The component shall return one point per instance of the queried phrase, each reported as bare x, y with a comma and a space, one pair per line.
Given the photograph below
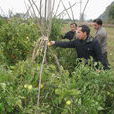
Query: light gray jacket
101, 36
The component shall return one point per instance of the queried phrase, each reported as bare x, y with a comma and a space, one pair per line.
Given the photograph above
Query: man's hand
51, 43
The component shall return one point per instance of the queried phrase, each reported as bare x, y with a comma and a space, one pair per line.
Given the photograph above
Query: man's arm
99, 38
70, 44
101, 35
69, 35
66, 35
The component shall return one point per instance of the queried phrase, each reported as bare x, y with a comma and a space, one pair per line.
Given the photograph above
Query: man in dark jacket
72, 33
85, 46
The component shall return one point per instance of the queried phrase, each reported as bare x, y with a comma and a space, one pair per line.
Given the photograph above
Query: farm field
41, 76
68, 88
110, 31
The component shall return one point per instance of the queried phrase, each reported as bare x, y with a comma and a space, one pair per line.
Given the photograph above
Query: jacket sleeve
98, 53
70, 44
101, 36
67, 35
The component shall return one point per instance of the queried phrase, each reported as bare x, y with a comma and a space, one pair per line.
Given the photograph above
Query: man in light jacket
101, 36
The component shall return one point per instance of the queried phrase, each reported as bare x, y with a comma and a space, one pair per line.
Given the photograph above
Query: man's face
96, 26
73, 27
81, 35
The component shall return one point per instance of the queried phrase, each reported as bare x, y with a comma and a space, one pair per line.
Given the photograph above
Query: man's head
73, 27
97, 23
83, 32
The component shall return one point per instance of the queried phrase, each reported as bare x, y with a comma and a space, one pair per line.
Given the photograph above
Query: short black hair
98, 21
86, 29
74, 24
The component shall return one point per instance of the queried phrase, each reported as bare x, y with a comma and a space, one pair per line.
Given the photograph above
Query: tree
111, 12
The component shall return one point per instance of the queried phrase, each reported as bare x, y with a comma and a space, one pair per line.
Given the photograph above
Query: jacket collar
99, 29
89, 39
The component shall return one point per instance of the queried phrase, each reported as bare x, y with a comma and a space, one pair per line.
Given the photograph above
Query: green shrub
56, 29
17, 39
86, 91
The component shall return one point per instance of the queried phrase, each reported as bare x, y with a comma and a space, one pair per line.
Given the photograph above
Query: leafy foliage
56, 29
16, 39
78, 89
111, 12
108, 15
85, 91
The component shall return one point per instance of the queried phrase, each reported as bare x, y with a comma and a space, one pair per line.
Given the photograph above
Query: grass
110, 46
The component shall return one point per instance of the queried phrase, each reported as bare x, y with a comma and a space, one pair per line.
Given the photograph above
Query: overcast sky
93, 10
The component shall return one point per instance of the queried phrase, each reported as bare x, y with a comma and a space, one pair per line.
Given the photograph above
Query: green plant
16, 39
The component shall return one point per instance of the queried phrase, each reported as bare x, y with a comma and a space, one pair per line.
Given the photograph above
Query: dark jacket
69, 35
85, 49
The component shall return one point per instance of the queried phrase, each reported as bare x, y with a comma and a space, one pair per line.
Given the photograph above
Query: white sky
93, 10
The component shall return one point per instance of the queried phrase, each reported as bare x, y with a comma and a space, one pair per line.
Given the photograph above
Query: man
101, 36
72, 33
86, 46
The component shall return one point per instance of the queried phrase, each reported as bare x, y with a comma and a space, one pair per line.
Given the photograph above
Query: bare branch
36, 7
66, 9
56, 60
45, 9
71, 11
36, 17
37, 48
85, 7
28, 9
57, 8
3, 12
49, 21
40, 9
40, 75
32, 8
53, 6
80, 8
